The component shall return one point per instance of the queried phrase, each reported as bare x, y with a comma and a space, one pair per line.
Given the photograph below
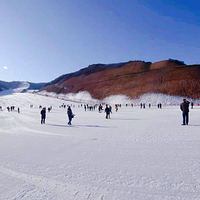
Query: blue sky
43, 39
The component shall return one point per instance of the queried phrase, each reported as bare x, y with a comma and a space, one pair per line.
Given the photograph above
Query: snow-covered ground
138, 154
153, 98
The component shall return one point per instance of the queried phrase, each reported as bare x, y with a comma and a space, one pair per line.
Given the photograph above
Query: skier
43, 115
18, 110
70, 115
185, 109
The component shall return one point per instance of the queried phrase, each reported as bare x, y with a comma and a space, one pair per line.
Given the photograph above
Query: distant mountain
133, 79
36, 86
16, 84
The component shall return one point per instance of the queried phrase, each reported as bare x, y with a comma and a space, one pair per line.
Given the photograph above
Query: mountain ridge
6, 85
133, 79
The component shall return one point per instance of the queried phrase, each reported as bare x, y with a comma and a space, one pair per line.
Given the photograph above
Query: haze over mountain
133, 79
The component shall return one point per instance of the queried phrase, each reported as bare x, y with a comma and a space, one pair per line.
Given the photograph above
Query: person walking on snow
185, 109
43, 115
70, 115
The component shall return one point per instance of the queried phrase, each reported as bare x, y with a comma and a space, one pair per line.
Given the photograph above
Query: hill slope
132, 79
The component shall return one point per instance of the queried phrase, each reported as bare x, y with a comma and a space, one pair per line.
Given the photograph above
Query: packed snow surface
138, 154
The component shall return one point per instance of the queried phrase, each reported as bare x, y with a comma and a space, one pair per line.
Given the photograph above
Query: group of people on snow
108, 110
11, 108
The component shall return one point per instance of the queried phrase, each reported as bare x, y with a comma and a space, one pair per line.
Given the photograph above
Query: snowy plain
138, 154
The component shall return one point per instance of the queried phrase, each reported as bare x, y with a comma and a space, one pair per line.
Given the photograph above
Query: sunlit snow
138, 154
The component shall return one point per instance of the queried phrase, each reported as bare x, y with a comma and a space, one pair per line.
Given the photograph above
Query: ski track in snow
138, 154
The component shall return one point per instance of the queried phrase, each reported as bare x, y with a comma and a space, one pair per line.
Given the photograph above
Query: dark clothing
43, 116
185, 107
43, 121
185, 118
107, 110
70, 115
43, 113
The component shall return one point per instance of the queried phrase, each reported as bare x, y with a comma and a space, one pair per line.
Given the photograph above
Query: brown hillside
165, 64
133, 79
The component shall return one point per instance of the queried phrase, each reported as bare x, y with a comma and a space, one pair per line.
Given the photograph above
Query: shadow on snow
77, 126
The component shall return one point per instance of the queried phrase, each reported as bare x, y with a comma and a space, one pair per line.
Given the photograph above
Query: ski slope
138, 154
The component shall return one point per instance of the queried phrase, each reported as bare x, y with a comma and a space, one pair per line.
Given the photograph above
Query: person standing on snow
107, 111
43, 115
70, 115
185, 109
149, 105
110, 107
116, 107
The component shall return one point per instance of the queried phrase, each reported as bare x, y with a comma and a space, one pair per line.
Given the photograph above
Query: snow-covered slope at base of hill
152, 98
84, 96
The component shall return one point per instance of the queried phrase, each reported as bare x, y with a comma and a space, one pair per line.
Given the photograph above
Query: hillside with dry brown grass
132, 78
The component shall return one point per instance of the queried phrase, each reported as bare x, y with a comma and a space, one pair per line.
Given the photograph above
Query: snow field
153, 98
138, 154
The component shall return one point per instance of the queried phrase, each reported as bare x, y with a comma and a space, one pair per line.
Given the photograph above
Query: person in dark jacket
185, 109
107, 111
70, 115
43, 115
